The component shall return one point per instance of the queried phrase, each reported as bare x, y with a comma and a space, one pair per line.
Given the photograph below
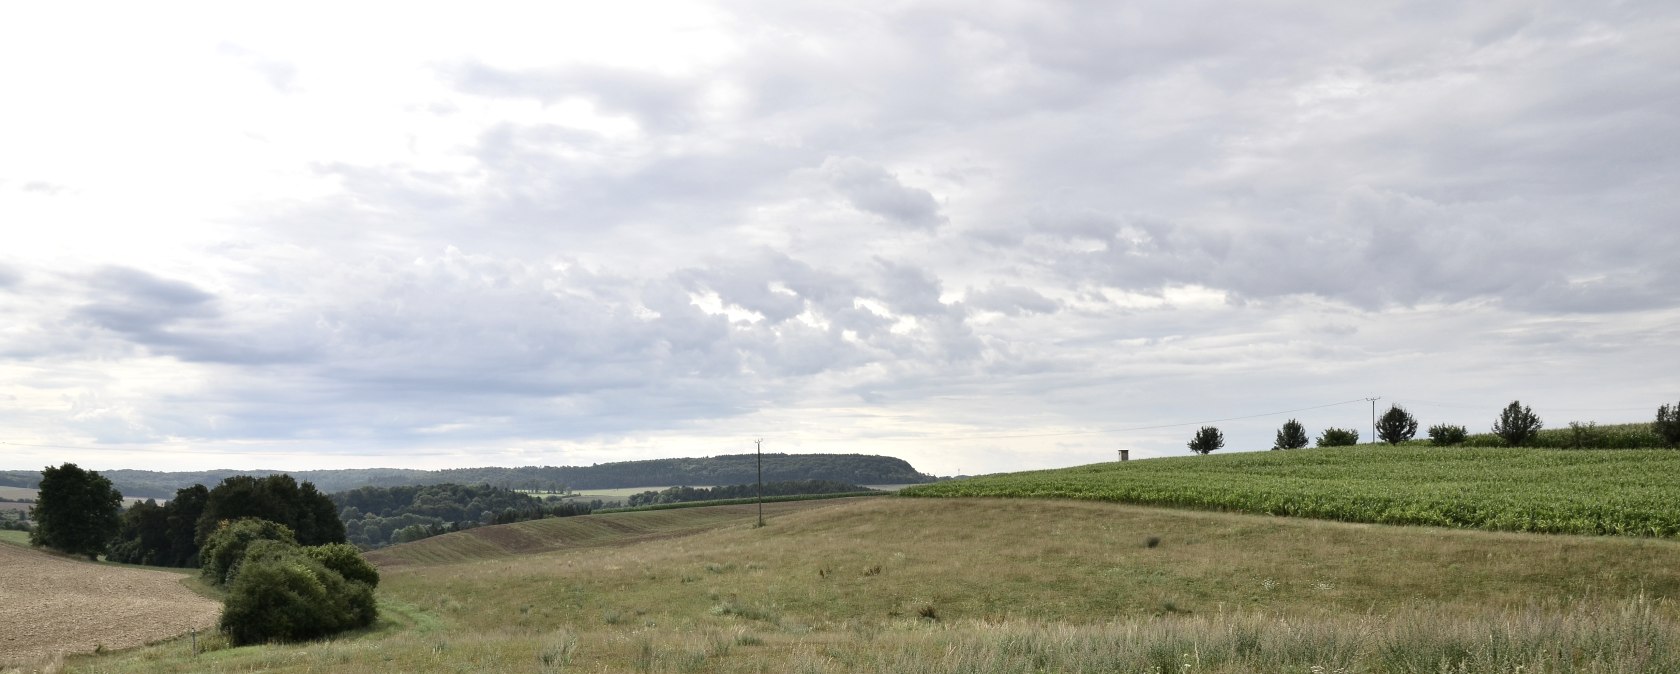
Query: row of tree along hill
727, 469
1516, 426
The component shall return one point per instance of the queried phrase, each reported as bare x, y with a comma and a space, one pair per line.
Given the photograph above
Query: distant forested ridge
714, 470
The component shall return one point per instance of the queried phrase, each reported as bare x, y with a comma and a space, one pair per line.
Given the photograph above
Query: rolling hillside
994, 586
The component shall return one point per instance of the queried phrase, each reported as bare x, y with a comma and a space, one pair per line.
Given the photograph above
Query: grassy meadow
993, 585
1615, 492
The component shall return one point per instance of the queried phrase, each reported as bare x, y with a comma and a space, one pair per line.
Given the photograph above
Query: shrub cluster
280, 591
1446, 435
1337, 437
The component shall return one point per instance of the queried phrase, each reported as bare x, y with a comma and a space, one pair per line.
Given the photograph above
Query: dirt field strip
51, 604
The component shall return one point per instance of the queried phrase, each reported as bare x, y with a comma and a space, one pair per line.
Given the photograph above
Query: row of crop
1614, 492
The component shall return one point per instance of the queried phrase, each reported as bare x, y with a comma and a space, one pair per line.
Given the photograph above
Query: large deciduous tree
1517, 424
1396, 425
1206, 440
277, 498
1291, 436
77, 511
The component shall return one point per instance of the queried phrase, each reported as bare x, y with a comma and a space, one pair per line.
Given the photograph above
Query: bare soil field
51, 604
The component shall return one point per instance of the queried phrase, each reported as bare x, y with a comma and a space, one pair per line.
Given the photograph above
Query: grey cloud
9, 277
872, 189
1010, 300
910, 289
141, 305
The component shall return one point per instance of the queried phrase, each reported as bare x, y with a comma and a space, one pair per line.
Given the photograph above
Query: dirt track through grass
51, 604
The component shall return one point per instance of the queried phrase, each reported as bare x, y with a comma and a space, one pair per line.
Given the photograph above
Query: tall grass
995, 585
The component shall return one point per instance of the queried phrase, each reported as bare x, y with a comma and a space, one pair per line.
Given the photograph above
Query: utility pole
760, 444
1374, 417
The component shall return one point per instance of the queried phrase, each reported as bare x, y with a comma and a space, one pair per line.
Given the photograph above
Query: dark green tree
277, 498
184, 511
1206, 440
161, 535
1517, 424
1668, 424
142, 535
1396, 425
1291, 436
1338, 437
77, 511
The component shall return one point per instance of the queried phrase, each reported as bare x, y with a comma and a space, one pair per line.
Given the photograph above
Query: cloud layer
979, 236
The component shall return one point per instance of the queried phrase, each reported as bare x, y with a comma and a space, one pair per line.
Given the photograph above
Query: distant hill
706, 471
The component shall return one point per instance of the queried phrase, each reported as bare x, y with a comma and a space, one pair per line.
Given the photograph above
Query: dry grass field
984, 585
51, 604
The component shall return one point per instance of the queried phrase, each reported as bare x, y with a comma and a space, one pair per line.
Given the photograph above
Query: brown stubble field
51, 604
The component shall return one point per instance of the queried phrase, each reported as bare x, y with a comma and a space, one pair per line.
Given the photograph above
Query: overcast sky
979, 236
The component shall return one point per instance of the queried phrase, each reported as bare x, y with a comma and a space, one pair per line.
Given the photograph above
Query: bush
1516, 425
1338, 437
1443, 435
226, 547
1396, 425
345, 560
1583, 436
1291, 436
283, 593
1206, 440
1667, 424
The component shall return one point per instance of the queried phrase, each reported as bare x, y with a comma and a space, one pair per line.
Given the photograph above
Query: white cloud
979, 236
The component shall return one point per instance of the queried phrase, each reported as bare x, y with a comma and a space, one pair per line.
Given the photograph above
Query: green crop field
1619, 492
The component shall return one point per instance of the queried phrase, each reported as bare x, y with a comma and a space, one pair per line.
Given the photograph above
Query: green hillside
1619, 492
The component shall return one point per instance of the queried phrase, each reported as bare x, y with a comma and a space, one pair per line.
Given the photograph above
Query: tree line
276, 546
1516, 426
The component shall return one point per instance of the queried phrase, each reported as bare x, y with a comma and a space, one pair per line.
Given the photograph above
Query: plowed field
50, 604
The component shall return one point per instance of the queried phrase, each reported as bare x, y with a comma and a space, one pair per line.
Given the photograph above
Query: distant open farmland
1617, 492
562, 533
51, 604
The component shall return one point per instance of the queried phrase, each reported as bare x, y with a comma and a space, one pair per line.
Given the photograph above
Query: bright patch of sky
977, 236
